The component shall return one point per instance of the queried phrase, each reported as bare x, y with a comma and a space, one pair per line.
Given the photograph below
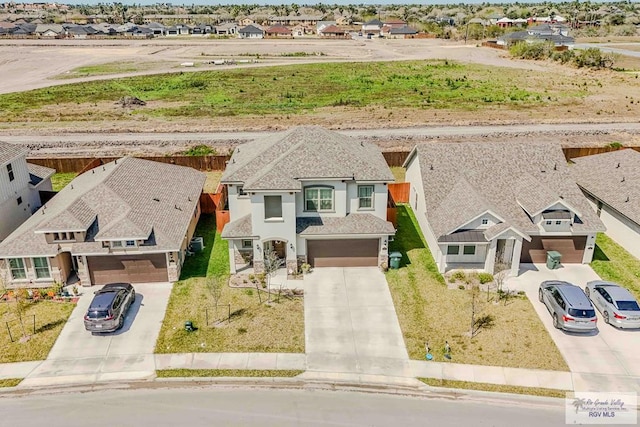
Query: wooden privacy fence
399, 192
215, 163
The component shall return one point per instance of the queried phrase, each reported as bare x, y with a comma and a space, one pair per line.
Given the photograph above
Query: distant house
556, 34
394, 23
227, 29
333, 32
126, 221
50, 30
482, 205
291, 20
278, 31
244, 22
251, 32
405, 32
372, 28
611, 183
202, 30
20, 187
157, 28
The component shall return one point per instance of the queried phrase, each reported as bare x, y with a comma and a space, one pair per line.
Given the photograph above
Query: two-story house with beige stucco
20, 186
312, 196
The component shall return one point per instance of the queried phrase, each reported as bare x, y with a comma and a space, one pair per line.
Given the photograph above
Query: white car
618, 307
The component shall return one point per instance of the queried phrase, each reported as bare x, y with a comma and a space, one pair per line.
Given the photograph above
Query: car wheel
587, 292
605, 315
555, 321
121, 322
540, 295
133, 298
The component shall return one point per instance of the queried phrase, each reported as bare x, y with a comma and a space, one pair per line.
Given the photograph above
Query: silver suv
109, 307
570, 308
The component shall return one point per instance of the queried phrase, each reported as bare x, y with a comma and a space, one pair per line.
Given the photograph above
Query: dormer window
485, 221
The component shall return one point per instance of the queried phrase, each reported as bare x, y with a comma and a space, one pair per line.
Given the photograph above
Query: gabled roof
463, 180
375, 22
125, 199
613, 178
403, 30
251, 29
239, 228
332, 29
8, 152
38, 173
283, 160
351, 224
278, 29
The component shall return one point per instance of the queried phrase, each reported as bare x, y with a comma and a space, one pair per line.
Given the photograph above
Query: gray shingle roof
238, 228
280, 161
462, 180
129, 194
350, 224
467, 236
38, 173
612, 178
10, 151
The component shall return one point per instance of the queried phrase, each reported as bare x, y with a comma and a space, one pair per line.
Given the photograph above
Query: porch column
589, 249
515, 258
441, 259
232, 256
490, 258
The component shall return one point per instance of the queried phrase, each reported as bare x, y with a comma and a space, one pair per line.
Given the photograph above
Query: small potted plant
305, 268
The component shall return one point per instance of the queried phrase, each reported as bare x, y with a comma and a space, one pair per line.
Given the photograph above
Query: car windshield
97, 314
628, 305
575, 312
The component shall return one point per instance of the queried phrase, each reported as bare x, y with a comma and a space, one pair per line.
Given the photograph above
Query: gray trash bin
553, 259
394, 260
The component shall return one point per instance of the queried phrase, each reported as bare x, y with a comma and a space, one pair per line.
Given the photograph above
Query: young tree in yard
20, 303
214, 285
478, 321
272, 263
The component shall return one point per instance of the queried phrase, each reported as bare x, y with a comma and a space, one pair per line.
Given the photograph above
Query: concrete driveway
78, 355
351, 324
608, 360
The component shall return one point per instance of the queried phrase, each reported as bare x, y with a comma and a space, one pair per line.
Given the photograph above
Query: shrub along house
130, 220
20, 187
482, 204
311, 196
611, 183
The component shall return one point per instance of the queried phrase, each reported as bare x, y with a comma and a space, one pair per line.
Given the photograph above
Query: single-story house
611, 183
251, 32
130, 220
311, 196
492, 206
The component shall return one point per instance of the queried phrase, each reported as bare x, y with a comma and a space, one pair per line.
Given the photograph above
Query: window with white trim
318, 199
469, 250
16, 265
485, 221
365, 196
116, 244
130, 243
558, 222
241, 191
453, 250
272, 207
41, 266
247, 244
549, 222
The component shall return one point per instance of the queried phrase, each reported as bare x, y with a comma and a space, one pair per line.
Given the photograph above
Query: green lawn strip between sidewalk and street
10, 382
254, 326
430, 312
499, 388
613, 263
184, 373
50, 318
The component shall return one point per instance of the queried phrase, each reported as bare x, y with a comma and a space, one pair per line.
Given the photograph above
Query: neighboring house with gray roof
20, 186
611, 183
251, 32
311, 195
125, 221
485, 204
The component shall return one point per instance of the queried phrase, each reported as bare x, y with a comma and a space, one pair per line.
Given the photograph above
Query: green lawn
183, 373
254, 325
499, 388
298, 89
109, 68
430, 312
10, 382
50, 318
398, 173
612, 262
213, 179
60, 180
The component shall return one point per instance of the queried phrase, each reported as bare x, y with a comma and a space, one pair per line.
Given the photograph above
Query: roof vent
93, 171
361, 144
115, 162
617, 167
233, 160
430, 167
627, 199
155, 199
176, 206
555, 167
103, 168
622, 179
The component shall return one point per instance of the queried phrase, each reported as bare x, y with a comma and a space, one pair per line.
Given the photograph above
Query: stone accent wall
258, 267
292, 265
243, 257
172, 272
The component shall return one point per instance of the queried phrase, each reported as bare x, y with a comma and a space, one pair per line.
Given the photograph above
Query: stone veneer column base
258, 267
292, 266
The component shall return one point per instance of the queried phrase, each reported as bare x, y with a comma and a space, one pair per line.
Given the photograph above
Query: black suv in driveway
109, 307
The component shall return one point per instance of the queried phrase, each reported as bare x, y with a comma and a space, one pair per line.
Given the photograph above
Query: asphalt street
210, 406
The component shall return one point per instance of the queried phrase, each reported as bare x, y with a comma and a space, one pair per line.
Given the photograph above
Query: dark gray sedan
618, 307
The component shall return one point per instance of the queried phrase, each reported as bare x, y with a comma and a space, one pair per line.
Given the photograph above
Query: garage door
343, 253
571, 248
128, 268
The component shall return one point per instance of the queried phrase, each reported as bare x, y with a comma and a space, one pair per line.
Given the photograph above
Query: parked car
570, 308
618, 307
109, 307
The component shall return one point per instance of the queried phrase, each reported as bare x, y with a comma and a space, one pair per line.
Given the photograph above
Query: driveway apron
351, 324
79, 356
608, 360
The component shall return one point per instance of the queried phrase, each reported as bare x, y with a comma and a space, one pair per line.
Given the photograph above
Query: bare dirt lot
30, 64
